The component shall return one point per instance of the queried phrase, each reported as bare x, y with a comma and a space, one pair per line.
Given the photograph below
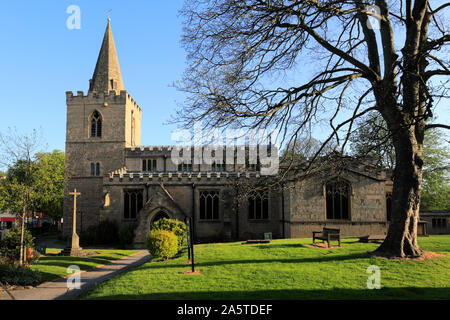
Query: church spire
107, 74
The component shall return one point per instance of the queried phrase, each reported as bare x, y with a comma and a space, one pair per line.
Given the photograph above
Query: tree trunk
401, 240
22, 231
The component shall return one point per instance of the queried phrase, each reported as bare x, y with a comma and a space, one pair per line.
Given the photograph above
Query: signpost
190, 242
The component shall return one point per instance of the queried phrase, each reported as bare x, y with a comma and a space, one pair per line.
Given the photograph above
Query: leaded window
209, 205
133, 203
388, 206
258, 206
96, 125
338, 200
185, 167
148, 165
218, 167
95, 169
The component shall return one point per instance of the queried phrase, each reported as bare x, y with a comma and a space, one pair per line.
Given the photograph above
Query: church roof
107, 74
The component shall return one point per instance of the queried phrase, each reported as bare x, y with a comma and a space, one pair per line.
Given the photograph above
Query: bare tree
17, 152
346, 52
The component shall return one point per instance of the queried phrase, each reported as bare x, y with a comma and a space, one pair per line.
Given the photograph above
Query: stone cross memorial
74, 249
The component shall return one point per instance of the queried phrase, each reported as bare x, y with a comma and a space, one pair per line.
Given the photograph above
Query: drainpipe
237, 219
282, 211
194, 237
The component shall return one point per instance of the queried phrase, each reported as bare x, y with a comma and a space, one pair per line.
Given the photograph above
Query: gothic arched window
95, 169
96, 124
133, 203
209, 205
338, 199
258, 206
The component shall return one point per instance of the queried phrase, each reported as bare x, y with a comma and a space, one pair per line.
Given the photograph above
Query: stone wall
367, 207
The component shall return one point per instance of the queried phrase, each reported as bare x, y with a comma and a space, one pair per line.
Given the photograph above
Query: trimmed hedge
175, 226
162, 244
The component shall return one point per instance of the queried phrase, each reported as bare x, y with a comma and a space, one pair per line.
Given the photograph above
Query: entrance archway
161, 214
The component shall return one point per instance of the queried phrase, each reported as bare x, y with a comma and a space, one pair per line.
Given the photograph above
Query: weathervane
109, 12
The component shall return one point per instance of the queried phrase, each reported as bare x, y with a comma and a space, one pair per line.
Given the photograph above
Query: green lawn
285, 269
52, 266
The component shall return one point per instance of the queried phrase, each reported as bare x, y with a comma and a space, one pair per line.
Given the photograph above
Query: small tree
19, 188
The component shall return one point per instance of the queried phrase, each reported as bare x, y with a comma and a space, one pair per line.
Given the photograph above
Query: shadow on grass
253, 261
404, 293
54, 261
278, 246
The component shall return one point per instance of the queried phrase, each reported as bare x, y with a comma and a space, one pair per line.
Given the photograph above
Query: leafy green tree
373, 140
50, 183
436, 173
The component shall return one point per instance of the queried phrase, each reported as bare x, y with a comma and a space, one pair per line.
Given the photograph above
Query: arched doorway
161, 214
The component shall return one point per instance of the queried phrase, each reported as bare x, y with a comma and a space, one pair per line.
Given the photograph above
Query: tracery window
133, 203
388, 206
209, 205
258, 206
96, 125
338, 200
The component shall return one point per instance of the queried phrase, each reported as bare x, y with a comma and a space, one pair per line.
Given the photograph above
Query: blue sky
41, 59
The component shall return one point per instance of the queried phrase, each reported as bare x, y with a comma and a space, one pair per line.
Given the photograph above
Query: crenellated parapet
118, 172
149, 148
97, 97
187, 177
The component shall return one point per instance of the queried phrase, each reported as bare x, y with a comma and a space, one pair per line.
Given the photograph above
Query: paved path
57, 290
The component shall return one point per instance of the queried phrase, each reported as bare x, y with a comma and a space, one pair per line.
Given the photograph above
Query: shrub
103, 233
162, 243
19, 276
175, 226
126, 236
10, 245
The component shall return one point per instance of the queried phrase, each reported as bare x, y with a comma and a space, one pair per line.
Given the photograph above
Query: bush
19, 276
162, 244
175, 226
10, 245
103, 233
126, 236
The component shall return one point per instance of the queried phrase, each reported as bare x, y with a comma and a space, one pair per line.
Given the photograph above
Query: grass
285, 269
53, 267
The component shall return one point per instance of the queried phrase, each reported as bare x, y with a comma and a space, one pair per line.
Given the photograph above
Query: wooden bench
372, 238
327, 234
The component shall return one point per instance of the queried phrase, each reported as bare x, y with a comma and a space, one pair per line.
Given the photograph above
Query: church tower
100, 125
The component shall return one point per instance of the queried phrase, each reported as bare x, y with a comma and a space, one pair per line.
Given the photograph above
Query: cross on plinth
75, 249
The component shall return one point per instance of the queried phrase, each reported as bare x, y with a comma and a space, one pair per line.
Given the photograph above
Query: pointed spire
107, 74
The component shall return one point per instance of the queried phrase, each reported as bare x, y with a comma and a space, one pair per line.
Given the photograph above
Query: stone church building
122, 180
